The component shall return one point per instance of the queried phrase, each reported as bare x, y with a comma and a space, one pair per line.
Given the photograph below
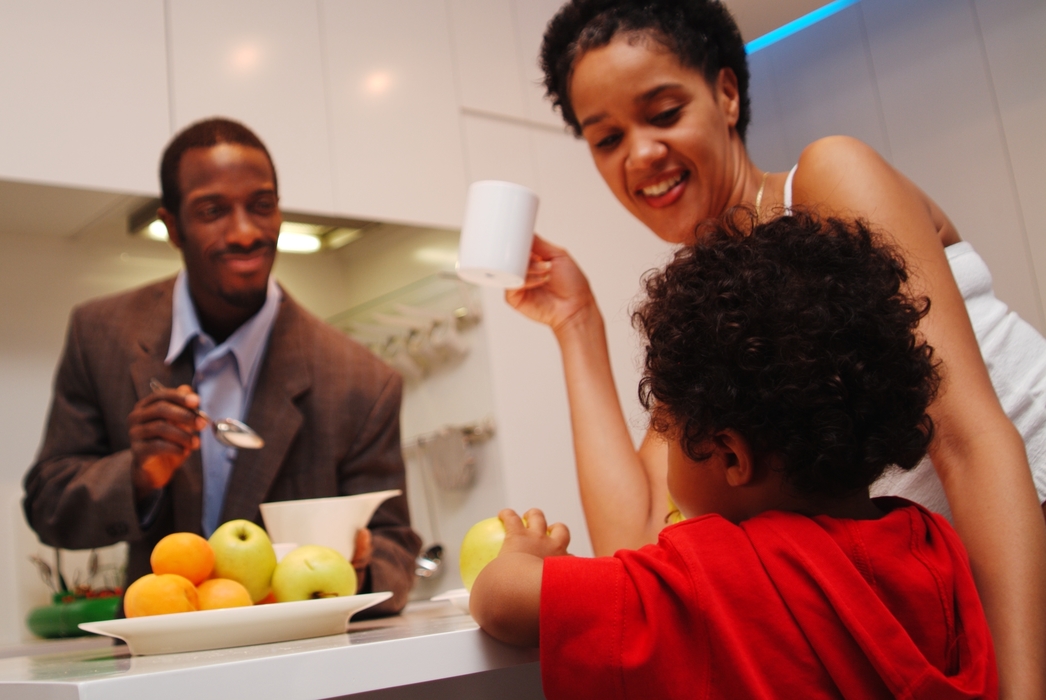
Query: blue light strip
798, 25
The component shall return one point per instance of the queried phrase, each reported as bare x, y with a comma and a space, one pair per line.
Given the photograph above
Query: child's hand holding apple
531, 534
506, 596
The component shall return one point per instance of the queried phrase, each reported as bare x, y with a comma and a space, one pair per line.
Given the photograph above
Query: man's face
227, 226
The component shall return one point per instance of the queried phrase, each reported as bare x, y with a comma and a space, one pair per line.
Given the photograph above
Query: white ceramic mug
497, 233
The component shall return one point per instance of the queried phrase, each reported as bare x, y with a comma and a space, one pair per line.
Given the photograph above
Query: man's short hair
203, 134
799, 334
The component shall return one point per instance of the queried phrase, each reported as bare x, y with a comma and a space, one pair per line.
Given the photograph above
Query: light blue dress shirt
225, 377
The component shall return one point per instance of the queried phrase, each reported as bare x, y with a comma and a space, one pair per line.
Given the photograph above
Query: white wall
953, 93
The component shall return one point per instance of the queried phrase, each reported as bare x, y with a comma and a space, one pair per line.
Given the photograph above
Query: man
122, 462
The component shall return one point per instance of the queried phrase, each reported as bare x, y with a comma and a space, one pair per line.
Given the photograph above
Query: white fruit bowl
236, 627
331, 522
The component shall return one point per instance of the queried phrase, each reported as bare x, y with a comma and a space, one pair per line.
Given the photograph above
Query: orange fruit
185, 554
271, 598
223, 593
160, 594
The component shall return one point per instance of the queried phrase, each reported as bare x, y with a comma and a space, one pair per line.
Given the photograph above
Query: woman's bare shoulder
841, 175
839, 161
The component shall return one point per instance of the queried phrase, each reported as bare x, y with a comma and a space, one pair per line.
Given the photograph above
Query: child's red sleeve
581, 627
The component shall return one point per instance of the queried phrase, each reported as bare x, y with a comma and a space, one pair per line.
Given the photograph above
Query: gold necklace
759, 198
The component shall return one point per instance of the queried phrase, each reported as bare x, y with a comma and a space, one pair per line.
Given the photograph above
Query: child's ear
736, 455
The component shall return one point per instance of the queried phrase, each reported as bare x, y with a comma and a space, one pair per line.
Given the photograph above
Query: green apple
244, 553
312, 571
481, 544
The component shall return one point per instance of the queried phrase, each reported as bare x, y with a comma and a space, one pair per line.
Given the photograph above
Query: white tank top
788, 189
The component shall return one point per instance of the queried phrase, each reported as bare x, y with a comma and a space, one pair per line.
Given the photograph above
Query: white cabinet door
83, 93
532, 16
941, 113
487, 57
259, 62
394, 111
1014, 35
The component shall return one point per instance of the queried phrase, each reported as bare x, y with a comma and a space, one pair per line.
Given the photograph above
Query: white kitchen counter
429, 651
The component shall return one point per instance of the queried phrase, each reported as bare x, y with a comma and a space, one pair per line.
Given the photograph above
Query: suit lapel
274, 414
153, 331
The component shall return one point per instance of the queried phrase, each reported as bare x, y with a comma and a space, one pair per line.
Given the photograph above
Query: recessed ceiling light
435, 255
314, 230
157, 231
294, 242
341, 236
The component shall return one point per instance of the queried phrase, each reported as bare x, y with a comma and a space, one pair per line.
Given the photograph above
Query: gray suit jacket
326, 407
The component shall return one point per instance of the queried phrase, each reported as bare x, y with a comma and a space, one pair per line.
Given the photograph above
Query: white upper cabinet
396, 131
531, 17
487, 57
496, 47
84, 93
259, 62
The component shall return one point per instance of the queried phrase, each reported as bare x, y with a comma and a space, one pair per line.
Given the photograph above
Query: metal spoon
227, 431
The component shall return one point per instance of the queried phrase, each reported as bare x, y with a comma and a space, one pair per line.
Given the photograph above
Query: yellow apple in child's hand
244, 553
313, 571
481, 544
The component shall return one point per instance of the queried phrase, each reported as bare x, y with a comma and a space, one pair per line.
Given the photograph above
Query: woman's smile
666, 190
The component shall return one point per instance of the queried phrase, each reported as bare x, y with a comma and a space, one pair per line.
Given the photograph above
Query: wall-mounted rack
417, 327
447, 454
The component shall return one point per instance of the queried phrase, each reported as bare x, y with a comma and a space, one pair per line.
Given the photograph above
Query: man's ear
728, 95
736, 457
171, 223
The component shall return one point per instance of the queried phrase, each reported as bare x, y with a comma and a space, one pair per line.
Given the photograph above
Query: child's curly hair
701, 33
799, 335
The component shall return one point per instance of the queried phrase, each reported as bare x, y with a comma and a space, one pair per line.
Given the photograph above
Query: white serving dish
330, 522
282, 549
236, 627
458, 597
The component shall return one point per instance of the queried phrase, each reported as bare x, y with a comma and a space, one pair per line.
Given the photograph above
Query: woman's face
660, 135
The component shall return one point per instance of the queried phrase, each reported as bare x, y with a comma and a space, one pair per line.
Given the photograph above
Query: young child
784, 370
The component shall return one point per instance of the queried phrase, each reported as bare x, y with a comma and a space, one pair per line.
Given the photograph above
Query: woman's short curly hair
701, 33
799, 335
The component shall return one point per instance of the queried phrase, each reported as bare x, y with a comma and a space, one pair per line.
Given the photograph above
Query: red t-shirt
780, 606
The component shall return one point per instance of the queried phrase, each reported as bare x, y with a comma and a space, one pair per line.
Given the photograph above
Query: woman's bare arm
978, 454
623, 490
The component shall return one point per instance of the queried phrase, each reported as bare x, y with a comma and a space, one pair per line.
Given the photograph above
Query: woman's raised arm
624, 491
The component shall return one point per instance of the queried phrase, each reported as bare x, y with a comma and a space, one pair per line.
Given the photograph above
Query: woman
658, 90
